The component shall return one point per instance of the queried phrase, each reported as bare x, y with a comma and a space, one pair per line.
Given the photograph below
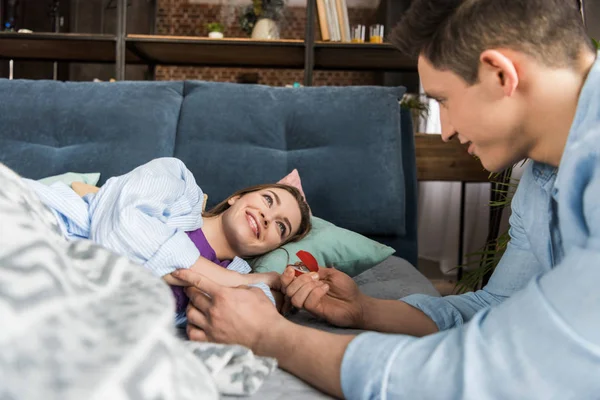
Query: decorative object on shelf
215, 30
376, 33
357, 33
334, 22
260, 19
265, 28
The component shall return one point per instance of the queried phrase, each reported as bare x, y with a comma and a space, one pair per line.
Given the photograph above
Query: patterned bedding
79, 322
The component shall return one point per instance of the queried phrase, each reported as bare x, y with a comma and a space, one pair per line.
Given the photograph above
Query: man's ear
233, 199
502, 69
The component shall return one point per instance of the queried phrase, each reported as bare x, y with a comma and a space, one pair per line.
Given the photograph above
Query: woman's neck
212, 228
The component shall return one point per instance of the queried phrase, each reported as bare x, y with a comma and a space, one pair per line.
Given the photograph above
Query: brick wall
180, 18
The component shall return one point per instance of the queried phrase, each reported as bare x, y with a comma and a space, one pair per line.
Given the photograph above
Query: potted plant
418, 107
215, 30
260, 18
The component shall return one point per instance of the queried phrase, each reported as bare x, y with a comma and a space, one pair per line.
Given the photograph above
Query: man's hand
226, 315
245, 316
329, 294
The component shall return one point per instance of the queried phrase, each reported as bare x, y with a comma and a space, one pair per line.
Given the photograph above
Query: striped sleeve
144, 215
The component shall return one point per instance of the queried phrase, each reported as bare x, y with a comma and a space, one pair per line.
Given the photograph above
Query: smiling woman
154, 216
275, 213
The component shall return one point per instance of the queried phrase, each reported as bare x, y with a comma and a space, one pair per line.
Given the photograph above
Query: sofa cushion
345, 141
68, 178
50, 127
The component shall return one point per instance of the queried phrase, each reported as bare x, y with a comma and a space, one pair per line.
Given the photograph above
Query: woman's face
261, 221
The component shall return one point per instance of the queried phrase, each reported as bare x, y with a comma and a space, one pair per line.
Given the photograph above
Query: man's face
480, 115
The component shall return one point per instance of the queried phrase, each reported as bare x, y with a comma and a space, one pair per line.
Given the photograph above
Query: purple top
207, 252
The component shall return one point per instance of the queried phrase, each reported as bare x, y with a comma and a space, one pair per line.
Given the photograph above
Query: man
516, 79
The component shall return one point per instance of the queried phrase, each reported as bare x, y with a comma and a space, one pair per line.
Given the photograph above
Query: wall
183, 18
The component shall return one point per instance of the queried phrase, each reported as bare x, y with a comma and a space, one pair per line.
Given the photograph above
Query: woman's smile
253, 224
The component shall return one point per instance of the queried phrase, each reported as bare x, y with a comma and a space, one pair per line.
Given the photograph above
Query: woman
153, 215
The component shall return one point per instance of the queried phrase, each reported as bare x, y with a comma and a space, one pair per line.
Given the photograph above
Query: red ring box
307, 263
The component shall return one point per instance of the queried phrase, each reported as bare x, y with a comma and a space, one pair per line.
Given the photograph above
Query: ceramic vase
265, 28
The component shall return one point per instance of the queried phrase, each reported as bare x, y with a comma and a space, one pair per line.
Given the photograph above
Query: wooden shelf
361, 56
200, 51
58, 47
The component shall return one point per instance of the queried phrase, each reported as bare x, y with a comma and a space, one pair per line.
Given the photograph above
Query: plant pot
215, 35
265, 28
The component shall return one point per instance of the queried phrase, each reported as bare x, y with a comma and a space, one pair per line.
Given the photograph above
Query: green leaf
597, 43
484, 261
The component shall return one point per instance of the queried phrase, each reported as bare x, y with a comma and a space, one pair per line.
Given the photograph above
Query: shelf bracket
309, 43
120, 44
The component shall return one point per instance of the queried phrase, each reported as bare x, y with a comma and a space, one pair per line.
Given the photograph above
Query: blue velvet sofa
353, 146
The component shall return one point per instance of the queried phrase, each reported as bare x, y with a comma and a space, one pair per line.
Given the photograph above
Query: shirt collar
544, 174
587, 105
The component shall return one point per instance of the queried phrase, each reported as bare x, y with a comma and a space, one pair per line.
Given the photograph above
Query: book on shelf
323, 25
333, 20
334, 28
342, 12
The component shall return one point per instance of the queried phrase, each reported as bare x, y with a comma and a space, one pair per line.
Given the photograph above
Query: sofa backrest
352, 146
49, 127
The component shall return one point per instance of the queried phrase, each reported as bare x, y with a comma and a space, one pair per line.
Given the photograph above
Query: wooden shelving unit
181, 50
360, 56
152, 50
72, 47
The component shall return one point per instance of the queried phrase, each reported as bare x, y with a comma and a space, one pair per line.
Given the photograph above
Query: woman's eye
269, 199
282, 228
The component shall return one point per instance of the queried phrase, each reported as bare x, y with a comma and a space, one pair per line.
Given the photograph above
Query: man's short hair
452, 34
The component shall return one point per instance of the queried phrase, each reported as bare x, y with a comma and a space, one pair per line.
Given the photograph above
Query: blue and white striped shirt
143, 215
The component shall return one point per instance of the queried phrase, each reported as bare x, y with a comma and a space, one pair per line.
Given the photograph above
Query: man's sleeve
517, 267
543, 342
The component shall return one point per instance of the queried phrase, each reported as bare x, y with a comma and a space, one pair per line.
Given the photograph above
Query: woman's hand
225, 277
329, 294
271, 279
226, 315
83, 188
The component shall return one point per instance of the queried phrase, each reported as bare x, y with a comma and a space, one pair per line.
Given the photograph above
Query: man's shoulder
581, 160
587, 140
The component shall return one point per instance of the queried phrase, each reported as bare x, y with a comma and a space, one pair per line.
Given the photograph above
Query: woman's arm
225, 277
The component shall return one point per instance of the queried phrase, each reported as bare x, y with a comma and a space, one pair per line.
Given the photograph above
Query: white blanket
79, 321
